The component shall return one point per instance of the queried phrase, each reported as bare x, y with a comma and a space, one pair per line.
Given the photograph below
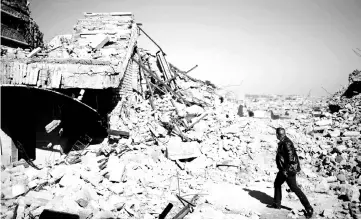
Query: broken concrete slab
116, 169
176, 149
353, 194
98, 41
58, 171
194, 111
103, 215
18, 190
335, 133
261, 114
322, 187
34, 52
5, 176
18, 169
70, 179
93, 178
324, 122
40, 198
351, 134
117, 188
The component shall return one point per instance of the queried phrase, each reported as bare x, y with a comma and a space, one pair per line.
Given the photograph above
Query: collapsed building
58, 97
18, 29
171, 140
50, 83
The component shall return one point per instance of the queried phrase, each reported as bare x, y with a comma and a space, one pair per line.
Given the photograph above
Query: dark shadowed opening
25, 111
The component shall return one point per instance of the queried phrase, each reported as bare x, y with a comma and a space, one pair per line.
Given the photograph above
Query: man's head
280, 133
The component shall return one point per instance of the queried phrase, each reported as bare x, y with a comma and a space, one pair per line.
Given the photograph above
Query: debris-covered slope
176, 151
175, 141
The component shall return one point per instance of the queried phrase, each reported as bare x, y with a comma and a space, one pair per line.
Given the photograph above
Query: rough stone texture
127, 84
353, 194
70, 64
234, 166
18, 189
17, 24
54, 76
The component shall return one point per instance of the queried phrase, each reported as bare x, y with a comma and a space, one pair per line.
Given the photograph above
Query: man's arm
290, 157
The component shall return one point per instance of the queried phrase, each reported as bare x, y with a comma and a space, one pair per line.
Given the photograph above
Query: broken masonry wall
130, 79
18, 29
58, 75
354, 87
91, 66
9, 153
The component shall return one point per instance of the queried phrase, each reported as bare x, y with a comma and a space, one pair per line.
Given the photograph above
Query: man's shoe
274, 206
309, 213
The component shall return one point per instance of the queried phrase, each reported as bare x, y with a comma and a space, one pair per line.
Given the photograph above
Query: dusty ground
140, 182
253, 198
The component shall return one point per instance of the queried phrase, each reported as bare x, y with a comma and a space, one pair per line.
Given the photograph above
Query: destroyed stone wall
18, 29
130, 80
153, 157
167, 143
57, 74
94, 57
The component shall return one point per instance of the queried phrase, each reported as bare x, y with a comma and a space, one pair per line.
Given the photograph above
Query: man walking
288, 166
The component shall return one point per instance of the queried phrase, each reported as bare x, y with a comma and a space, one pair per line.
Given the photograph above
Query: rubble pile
175, 140
155, 156
329, 140
92, 40
176, 147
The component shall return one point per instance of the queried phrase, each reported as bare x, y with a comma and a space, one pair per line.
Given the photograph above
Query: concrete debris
353, 194
98, 41
177, 136
69, 179
176, 149
34, 52
18, 190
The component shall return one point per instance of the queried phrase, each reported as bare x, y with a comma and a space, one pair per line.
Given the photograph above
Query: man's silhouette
288, 166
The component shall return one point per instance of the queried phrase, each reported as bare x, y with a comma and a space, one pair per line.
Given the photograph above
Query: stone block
20, 214
40, 198
103, 215
327, 213
261, 114
341, 177
335, 133
58, 171
19, 189
117, 188
9, 153
93, 178
324, 122
176, 149
351, 134
194, 111
353, 194
116, 169
46, 156
5, 176
322, 187
331, 179
98, 41
70, 179
37, 212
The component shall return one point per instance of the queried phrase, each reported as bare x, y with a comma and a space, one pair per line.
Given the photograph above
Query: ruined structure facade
76, 79
18, 29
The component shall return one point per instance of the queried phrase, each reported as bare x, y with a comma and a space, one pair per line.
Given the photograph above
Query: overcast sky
268, 46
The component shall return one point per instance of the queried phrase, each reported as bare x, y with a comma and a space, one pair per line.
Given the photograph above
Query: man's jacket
287, 159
